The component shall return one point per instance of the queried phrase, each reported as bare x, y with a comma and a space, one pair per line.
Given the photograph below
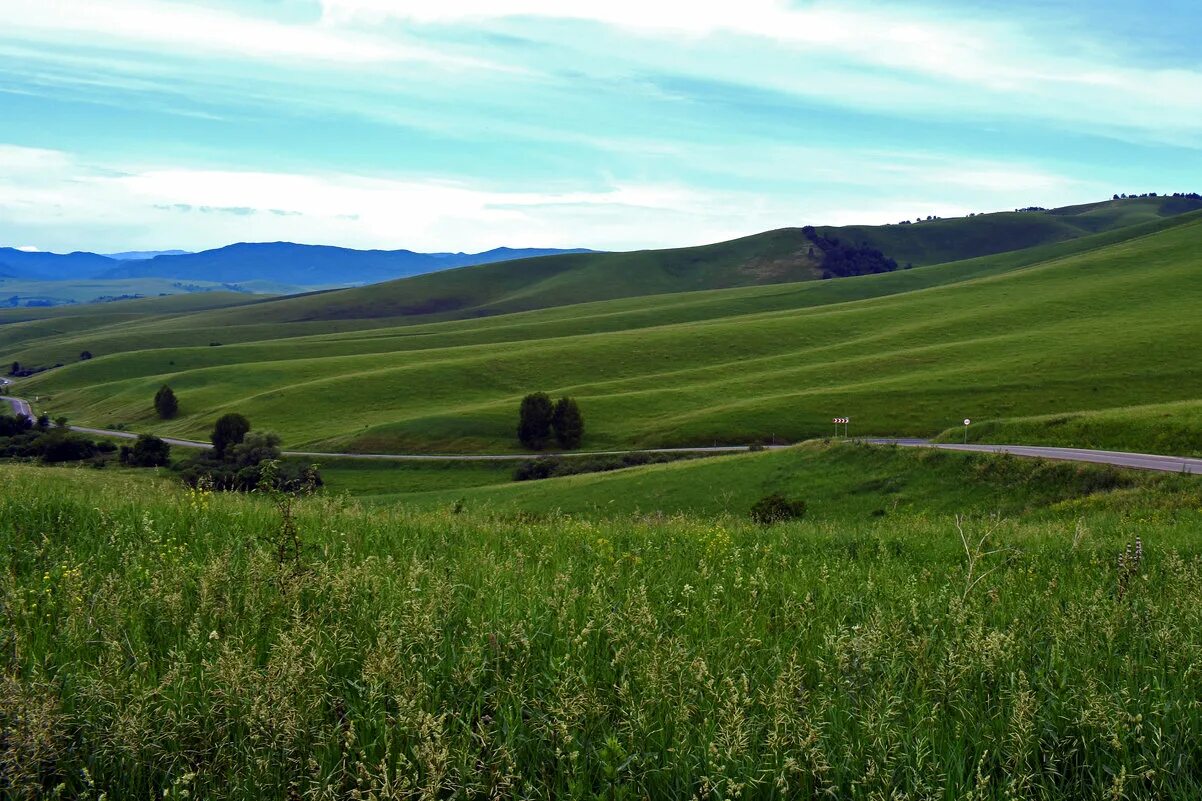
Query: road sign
843, 420
967, 422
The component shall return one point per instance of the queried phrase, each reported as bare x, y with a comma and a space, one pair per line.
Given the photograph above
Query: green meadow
1100, 329
839, 482
982, 638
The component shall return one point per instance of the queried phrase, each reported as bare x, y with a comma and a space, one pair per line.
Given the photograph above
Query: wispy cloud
927, 58
46, 196
189, 29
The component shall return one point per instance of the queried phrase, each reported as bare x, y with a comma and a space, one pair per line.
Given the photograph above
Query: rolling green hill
1099, 323
774, 257
939, 241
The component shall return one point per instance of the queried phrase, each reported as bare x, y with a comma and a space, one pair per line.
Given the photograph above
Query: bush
537, 469
11, 425
254, 463
148, 451
59, 446
776, 508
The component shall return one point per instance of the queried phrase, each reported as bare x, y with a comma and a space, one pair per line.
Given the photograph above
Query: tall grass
154, 646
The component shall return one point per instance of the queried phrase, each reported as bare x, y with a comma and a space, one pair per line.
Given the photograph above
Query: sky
463, 125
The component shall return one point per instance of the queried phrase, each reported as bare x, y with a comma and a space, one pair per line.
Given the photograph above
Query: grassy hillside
770, 258
93, 290
156, 646
552, 282
1092, 329
838, 481
939, 241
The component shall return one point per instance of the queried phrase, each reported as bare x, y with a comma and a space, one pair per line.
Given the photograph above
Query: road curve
1135, 461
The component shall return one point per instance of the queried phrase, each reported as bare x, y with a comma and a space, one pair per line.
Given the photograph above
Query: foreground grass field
1101, 326
156, 645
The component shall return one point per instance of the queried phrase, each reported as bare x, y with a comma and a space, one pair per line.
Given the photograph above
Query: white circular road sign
967, 422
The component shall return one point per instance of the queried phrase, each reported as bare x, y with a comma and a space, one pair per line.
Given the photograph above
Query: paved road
19, 406
1137, 461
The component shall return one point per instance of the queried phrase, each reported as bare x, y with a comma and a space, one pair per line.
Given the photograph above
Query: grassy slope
940, 241
839, 482
155, 645
768, 258
88, 290
1105, 328
382, 306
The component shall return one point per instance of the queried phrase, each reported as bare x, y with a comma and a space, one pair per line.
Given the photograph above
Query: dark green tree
148, 451
228, 431
16, 368
534, 421
87, 354
165, 403
568, 423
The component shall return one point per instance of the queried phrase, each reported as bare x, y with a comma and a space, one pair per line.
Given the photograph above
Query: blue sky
469, 124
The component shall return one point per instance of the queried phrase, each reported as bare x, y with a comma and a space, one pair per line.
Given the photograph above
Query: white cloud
66, 204
188, 29
862, 55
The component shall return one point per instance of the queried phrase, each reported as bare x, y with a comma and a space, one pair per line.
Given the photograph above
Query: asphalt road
1135, 461
19, 406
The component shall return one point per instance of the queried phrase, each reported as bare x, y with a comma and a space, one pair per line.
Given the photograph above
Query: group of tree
22, 438
540, 420
841, 260
1188, 195
18, 370
242, 460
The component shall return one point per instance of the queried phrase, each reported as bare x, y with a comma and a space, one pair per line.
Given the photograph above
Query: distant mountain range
138, 255
280, 262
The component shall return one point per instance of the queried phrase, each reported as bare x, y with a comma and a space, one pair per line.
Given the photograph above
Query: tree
87, 354
165, 402
228, 431
568, 423
16, 368
534, 421
255, 448
148, 451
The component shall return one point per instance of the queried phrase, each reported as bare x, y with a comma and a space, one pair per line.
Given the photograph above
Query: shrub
775, 508
148, 451
59, 446
537, 469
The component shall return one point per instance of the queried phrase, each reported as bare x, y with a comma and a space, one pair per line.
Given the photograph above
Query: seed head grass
149, 650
